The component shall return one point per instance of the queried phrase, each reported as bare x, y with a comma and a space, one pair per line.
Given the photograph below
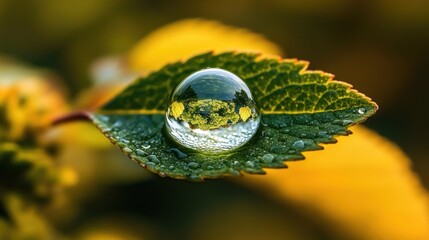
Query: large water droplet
212, 111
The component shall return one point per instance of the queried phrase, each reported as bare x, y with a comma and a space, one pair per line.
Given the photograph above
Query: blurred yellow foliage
364, 183
186, 38
115, 228
96, 96
26, 223
31, 102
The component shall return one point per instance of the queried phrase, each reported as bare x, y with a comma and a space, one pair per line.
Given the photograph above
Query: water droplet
347, 122
236, 163
127, 150
140, 152
150, 165
298, 145
124, 140
250, 164
285, 130
213, 111
322, 133
146, 146
171, 167
361, 110
193, 165
177, 153
267, 158
153, 158
234, 172
106, 130
117, 124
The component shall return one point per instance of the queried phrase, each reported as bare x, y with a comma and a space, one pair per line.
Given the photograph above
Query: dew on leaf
150, 165
322, 133
267, 158
124, 140
212, 111
140, 152
145, 146
250, 164
127, 150
361, 110
117, 124
153, 158
298, 145
177, 153
347, 122
193, 165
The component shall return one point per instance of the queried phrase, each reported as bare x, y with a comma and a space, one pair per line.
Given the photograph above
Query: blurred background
379, 46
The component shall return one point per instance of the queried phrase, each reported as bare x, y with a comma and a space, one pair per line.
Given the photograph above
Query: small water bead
145, 146
153, 158
298, 145
127, 150
361, 110
267, 158
140, 152
193, 165
212, 111
177, 153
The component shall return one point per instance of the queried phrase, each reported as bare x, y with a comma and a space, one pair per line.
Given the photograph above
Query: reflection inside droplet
212, 111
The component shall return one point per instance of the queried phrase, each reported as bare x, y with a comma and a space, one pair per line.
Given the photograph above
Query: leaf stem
72, 117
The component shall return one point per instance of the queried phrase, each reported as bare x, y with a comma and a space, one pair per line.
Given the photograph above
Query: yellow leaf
26, 221
189, 37
97, 96
245, 113
364, 183
31, 102
177, 109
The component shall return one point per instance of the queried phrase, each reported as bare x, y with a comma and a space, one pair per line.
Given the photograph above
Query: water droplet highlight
298, 145
267, 158
193, 165
322, 133
212, 111
361, 110
127, 150
347, 122
145, 146
250, 164
140, 152
153, 158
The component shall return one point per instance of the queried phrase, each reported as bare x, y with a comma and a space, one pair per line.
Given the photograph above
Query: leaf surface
300, 109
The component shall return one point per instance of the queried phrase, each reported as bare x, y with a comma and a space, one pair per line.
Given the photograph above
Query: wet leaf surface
300, 109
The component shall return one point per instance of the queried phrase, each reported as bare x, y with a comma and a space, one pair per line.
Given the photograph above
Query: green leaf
300, 109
